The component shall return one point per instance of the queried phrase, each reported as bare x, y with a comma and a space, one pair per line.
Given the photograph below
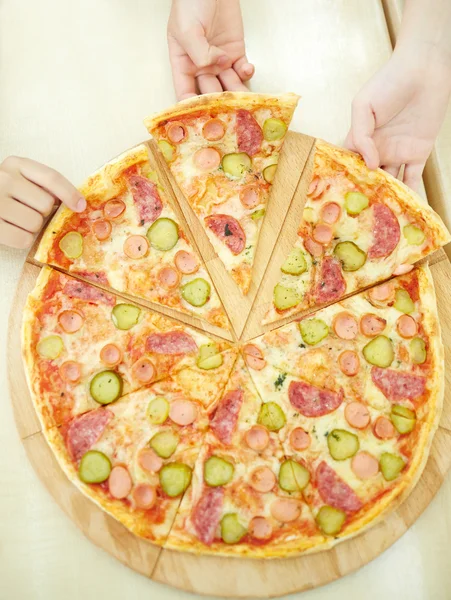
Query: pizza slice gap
130, 239
84, 347
359, 407
359, 227
222, 150
235, 505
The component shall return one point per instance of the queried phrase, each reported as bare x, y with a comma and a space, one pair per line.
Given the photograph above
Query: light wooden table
76, 78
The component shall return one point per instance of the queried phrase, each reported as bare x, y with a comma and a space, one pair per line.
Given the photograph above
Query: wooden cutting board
236, 577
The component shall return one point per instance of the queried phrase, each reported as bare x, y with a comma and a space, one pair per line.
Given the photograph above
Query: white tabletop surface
76, 79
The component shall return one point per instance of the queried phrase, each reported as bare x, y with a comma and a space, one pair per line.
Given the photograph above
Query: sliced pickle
414, 235
417, 348
196, 292
342, 444
295, 264
94, 467
125, 316
313, 330
286, 297
236, 164
163, 234
391, 465
274, 129
106, 387
403, 418
355, 202
50, 347
293, 477
164, 443
403, 302
350, 255
269, 173
158, 410
166, 149
72, 244
379, 352
175, 478
209, 357
330, 520
258, 214
217, 471
231, 529
271, 416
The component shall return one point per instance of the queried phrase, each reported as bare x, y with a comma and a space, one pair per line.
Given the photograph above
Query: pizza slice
129, 238
84, 347
242, 500
222, 150
359, 227
357, 398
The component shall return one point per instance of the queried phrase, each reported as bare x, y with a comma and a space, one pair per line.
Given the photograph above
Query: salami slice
207, 514
85, 430
334, 491
312, 401
84, 291
331, 284
96, 277
396, 385
172, 342
386, 231
229, 231
225, 417
146, 197
248, 133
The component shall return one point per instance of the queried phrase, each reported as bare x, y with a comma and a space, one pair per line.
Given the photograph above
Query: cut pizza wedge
84, 347
241, 501
222, 150
135, 457
129, 238
359, 227
355, 393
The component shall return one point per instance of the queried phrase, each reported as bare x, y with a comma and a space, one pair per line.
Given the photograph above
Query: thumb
202, 53
362, 130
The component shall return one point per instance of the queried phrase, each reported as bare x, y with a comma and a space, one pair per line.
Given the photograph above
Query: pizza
222, 150
129, 238
355, 393
84, 347
358, 227
240, 501
282, 444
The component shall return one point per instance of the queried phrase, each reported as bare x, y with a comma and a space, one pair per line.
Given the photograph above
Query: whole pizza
267, 447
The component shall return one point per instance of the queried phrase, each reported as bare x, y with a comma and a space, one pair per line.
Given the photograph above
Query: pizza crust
409, 200
222, 100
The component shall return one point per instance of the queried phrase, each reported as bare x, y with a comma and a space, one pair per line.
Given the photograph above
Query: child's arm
206, 47
397, 115
28, 191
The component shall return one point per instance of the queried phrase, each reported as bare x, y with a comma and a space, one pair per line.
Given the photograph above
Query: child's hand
206, 45
28, 191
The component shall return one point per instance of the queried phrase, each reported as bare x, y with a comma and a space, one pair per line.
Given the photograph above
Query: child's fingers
201, 52
184, 85
208, 84
243, 68
230, 81
412, 175
49, 179
32, 195
18, 214
362, 130
13, 236
392, 169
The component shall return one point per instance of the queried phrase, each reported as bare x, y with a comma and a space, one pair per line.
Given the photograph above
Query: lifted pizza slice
129, 238
222, 150
359, 227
